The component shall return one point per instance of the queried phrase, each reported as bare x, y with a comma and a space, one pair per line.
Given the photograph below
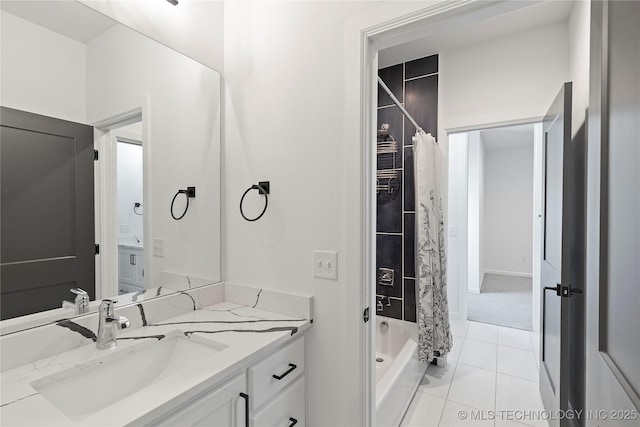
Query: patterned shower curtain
434, 334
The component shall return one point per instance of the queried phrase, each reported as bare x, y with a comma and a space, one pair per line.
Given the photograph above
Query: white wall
183, 143
42, 71
475, 209
129, 168
579, 61
458, 236
195, 28
509, 78
292, 102
508, 210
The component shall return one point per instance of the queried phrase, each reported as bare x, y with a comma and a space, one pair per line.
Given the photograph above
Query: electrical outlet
158, 248
325, 265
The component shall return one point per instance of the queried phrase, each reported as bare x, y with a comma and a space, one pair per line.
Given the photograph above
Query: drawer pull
246, 408
291, 368
293, 422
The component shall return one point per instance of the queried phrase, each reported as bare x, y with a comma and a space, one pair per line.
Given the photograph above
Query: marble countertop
249, 333
138, 246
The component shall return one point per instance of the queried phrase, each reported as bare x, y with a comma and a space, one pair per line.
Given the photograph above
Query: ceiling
69, 18
521, 20
507, 137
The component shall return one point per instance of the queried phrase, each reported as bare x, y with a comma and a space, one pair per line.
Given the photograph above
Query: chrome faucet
107, 324
81, 302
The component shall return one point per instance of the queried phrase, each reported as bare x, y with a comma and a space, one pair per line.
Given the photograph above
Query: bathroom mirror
64, 64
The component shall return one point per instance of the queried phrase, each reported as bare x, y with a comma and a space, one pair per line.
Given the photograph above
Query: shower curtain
434, 334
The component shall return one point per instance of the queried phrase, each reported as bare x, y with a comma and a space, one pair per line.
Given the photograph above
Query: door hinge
97, 246
563, 291
365, 315
95, 155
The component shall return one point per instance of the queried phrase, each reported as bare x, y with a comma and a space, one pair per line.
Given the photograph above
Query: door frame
459, 208
106, 202
384, 34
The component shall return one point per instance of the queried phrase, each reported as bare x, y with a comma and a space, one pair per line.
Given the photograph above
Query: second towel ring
263, 188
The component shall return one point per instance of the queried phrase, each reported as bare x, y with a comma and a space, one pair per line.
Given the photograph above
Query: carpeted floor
504, 300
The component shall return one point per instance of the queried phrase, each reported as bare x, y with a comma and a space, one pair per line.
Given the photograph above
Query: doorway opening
121, 180
130, 194
503, 214
479, 95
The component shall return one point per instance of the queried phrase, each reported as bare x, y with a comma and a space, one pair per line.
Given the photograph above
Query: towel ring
263, 188
189, 193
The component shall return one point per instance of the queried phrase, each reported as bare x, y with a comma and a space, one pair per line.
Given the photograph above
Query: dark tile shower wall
415, 84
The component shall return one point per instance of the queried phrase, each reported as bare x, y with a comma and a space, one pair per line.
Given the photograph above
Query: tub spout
384, 326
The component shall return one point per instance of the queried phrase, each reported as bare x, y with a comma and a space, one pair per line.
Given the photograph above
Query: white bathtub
399, 373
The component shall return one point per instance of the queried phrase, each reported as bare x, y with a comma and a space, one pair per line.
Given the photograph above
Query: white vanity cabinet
130, 269
274, 387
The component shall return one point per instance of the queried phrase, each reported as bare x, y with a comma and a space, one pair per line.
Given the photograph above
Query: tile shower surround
415, 84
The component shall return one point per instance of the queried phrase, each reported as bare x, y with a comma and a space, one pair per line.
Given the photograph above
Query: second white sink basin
86, 389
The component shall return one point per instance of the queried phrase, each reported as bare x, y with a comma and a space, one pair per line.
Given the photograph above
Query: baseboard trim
507, 273
474, 290
456, 316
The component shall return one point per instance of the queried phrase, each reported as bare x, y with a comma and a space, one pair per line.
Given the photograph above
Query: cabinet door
139, 269
126, 267
287, 409
220, 407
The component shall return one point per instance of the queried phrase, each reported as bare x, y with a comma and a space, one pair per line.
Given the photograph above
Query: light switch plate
325, 265
158, 248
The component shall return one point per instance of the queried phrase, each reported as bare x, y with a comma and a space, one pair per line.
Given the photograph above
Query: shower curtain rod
395, 100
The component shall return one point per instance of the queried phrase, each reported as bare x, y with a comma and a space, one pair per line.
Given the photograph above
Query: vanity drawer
286, 364
288, 409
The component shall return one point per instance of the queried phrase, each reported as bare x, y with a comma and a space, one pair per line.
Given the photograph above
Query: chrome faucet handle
121, 322
80, 292
80, 304
106, 308
82, 300
108, 322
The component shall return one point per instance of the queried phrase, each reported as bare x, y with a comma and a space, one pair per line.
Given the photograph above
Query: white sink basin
85, 389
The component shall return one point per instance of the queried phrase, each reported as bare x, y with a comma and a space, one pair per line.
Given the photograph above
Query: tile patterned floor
490, 368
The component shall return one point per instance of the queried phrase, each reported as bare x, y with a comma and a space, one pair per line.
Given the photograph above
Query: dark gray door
47, 207
554, 350
613, 232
